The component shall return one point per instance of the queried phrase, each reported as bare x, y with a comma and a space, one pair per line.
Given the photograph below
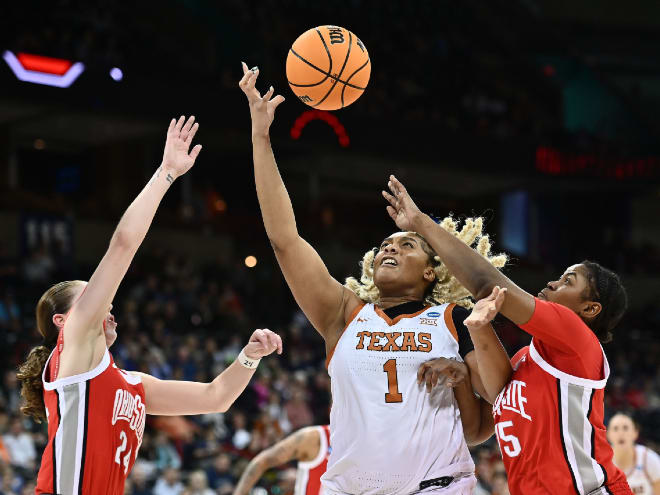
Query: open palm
177, 159
486, 309
402, 208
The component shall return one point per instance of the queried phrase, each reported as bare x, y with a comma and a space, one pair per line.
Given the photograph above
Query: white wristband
247, 362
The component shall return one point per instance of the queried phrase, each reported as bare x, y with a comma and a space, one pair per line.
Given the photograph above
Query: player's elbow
124, 240
282, 241
483, 286
479, 438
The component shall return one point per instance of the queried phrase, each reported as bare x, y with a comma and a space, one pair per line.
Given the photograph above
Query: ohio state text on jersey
549, 426
95, 427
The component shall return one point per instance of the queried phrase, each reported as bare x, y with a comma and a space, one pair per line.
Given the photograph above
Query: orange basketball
328, 67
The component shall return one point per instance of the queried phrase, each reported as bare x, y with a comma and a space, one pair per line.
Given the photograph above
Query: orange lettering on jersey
362, 335
409, 343
424, 342
375, 337
511, 398
391, 344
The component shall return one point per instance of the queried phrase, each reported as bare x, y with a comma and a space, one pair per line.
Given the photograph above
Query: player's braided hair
57, 299
606, 288
446, 288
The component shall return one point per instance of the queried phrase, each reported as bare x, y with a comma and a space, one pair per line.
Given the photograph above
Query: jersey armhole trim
82, 377
355, 312
575, 380
323, 451
449, 320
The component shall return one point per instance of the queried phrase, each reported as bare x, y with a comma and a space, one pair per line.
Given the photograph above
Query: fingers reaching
396, 186
188, 139
195, 151
187, 126
268, 95
392, 212
390, 199
276, 101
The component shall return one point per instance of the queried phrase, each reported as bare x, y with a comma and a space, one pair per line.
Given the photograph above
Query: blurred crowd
182, 321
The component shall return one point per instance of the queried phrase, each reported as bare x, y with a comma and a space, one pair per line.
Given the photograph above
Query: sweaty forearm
492, 360
274, 201
471, 269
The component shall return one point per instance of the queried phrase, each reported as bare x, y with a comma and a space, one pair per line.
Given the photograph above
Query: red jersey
308, 478
549, 420
95, 427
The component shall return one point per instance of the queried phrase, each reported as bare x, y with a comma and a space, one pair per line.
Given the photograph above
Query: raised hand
176, 158
486, 309
262, 109
430, 372
262, 343
402, 209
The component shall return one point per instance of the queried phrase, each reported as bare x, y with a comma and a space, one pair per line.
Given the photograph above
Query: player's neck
391, 301
624, 458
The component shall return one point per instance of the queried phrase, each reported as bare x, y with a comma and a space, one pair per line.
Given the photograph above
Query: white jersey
645, 472
387, 433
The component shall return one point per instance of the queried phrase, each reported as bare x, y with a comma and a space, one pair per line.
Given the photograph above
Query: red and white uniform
95, 427
549, 417
645, 472
308, 478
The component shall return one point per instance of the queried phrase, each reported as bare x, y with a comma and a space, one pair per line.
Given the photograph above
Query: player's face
621, 431
110, 328
569, 290
401, 263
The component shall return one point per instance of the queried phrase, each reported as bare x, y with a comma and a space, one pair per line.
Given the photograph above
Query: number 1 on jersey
393, 394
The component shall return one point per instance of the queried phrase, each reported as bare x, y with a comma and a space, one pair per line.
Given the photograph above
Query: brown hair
56, 300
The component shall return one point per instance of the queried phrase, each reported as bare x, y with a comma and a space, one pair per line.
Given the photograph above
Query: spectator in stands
219, 473
20, 445
168, 483
198, 484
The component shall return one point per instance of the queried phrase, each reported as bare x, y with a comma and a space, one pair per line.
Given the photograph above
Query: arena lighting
116, 74
306, 117
43, 70
552, 161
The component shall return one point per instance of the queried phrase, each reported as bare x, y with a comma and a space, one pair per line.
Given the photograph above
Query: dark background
541, 115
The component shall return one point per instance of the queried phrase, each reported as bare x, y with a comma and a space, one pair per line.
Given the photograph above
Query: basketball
328, 67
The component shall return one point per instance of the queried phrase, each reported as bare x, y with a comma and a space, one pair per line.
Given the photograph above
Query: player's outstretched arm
489, 363
473, 271
84, 321
324, 300
175, 398
303, 445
